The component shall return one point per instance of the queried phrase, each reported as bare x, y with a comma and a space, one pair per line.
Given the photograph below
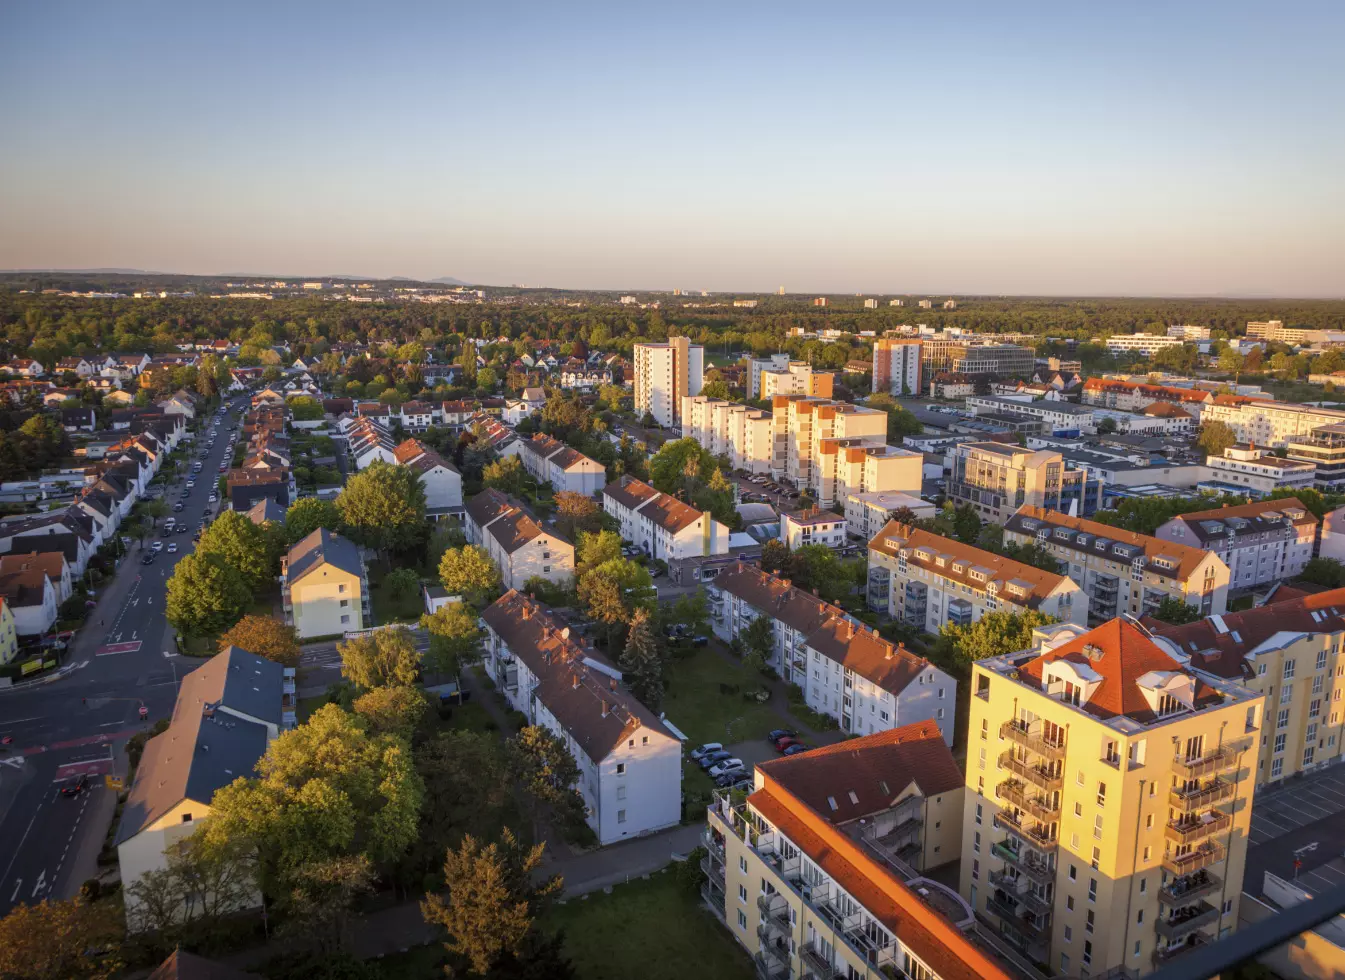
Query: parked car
178, 506
180, 529
780, 733
728, 765
714, 758
795, 749
702, 751
700, 641
785, 744
732, 776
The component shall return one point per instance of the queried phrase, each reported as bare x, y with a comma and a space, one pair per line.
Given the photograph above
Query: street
121, 658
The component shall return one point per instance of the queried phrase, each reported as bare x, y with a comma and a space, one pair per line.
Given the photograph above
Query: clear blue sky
1032, 147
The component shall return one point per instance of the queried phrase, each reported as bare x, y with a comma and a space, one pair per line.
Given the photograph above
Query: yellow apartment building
1109, 792
325, 589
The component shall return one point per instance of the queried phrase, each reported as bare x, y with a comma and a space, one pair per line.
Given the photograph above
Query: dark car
147, 558
75, 785
714, 758
182, 529
795, 749
729, 778
700, 641
179, 506
780, 733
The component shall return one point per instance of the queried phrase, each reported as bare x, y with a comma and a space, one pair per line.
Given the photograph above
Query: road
73, 725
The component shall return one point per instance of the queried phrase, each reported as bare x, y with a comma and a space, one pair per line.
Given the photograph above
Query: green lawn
704, 699
469, 717
387, 609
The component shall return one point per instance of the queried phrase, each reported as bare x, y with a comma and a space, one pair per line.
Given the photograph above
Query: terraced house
802, 871
846, 670
550, 461
928, 580
661, 525
519, 546
1108, 799
1123, 572
1264, 542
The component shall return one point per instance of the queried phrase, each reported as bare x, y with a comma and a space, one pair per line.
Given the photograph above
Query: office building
1123, 572
1108, 804
927, 581
1261, 543
1058, 417
665, 373
896, 366
1001, 360
997, 479
1141, 343
1324, 448
1188, 332
1257, 472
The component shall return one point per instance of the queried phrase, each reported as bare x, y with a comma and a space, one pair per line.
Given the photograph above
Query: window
1079, 778
1078, 809
980, 762
1315, 708
940, 694
621, 769
1279, 742
1321, 659
1069, 903
1064, 963
186, 818
621, 792
345, 603
1073, 873
1317, 684
345, 620
340, 588
1228, 905
1146, 858
742, 919
1069, 934
1260, 670
1144, 882
985, 729
742, 865
1097, 826
1088, 923
1074, 842
1287, 694
1282, 719
1288, 669
1276, 769
742, 893
621, 816
644, 740
1097, 857
976, 842
1149, 822
975, 869
1092, 892
1101, 794
1087, 951
1308, 754
940, 714
978, 814
1137, 948
1139, 918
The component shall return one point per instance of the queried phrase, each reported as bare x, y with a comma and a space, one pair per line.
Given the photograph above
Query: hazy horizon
1189, 151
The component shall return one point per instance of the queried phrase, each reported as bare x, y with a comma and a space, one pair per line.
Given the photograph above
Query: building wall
443, 488
1308, 956
584, 478
545, 557
830, 534
318, 598
1252, 559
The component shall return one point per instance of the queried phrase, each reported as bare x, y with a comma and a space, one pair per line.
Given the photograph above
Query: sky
1030, 148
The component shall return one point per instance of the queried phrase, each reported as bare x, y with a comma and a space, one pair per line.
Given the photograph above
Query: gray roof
265, 510
319, 547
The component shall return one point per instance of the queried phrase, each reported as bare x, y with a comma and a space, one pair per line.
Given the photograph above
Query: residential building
1141, 343
228, 711
856, 465
52, 563
801, 425
1275, 330
1324, 447
1056, 417
927, 581
439, 477
1263, 542
896, 366
1134, 396
868, 513
811, 526
1289, 652
800, 877
1123, 572
566, 469
1187, 332
1268, 423
663, 375
1107, 809
997, 479
325, 588
662, 526
846, 670
1257, 472
9, 634
31, 599
519, 546
745, 434
795, 378
630, 763
368, 442
951, 387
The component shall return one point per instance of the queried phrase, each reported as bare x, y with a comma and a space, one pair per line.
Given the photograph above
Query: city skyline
1057, 152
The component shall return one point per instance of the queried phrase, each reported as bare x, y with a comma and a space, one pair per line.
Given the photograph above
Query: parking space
1322, 879
1297, 804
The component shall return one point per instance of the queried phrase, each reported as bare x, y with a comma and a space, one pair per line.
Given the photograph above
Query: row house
520, 547
31, 599
1260, 543
1133, 396
369, 442
846, 670
1123, 572
662, 526
566, 469
440, 478
929, 581
629, 761
417, 416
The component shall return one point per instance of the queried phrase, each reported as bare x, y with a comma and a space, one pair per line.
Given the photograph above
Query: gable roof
1029, 520
188, 966
487, 505
671, 514
266, 510
630, 492
1261, 515
319, 548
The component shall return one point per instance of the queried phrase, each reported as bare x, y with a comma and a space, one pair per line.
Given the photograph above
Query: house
630, 762
125, 367
26, 367
436, 597
813, 526
417, 416
9, 634
188, 966
228, 711
325, 589
117, 398
74, 365
180, 403
369, 442
244, 488
533, 399
661, 525
52, 563
30, 596
266, 511
439, 477
79, 419
1264, 542
566, 469
520, 547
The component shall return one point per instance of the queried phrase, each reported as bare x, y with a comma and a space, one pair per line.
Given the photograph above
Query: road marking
112, 649
16, 721
17, 885
133, 635
41, 881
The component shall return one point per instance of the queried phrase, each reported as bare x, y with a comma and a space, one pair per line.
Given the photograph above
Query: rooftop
1164, 558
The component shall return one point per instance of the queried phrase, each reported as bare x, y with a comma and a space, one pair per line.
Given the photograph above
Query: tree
678, 462
602, 600
758, 642
199, 886
1215, 437
1032, 554
265, 636
576, 513
1231, 362
447, 763
205, 595
505, 475
1174, 611
487, 379
308, 514
455, 637
966, 524
1324, 571
992, 635
386, 656
60, 940
383, 507
241, 545
591, 550
692, 611
543, 770
774, 554
1106, 427
619, 579
305, 409
641, 663
492, 901
469, 572
321, 897
395, 709
401, 583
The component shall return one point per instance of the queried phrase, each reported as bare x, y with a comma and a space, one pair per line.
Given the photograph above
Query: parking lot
1297, 804
1298, 828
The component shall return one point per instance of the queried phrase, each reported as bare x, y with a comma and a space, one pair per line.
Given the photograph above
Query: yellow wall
317, 601
1308, 956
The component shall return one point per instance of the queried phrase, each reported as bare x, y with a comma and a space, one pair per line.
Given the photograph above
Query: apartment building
1134, 396
440, 478
548, 460
325, 587
663, 375
630, 763
1324, 447
927, 580
661, 525
1258, 472
1123, 572
849, 466
800, 871
1263, 542
519, 546
868, 513
778, 375
846, 670
744, 434
1290, 652
811, 526
997, 479
1141, 343
1108, 804
1055, 416
800, 425
1188, 332
896, 366
1275, 330
1267, 423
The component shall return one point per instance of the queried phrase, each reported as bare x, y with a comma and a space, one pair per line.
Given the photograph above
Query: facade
1055, 416
325, 587
805, 430
868, 513
846, 670
798, 875
1258, 472
1141, 343
1134, 396
1268, 541
778, 375
744, 434
566, 469
1001, 360
896, 366
1324, 447
31, 600
848, 466
664, 374
1123, 572
662, 526
630, 764
1186, 331
439, 477
1108, 811
9, 634
1267, 423
1289, 652
927, 581
997, 479
519, 546
811, 526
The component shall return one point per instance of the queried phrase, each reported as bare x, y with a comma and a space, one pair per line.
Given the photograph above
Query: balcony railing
1182, 891
815, 963
1014, 887
1007, 914
1039, 871
1020, 734
1207, 854
713, 898
1177, 925
1209, 763
714, 845
774, 914
1041, 807
769, 968
1191, 800
1038, 776
1190, 831
1163, 956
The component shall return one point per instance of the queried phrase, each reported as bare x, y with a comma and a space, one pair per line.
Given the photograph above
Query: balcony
1191, 831
1039, 871
768, 968
1028, 928
1187, 921
1039, 776
1017, 891
1020, 734
774, 915
714, 845
1211, 762
1206, 855
815, 964
713, 898
1165, 956
1189, 801
1183, 891
1041, 807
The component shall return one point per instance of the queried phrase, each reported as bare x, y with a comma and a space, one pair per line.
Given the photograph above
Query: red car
785, 743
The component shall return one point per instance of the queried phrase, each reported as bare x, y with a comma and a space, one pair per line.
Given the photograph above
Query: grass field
704, 699
387, 609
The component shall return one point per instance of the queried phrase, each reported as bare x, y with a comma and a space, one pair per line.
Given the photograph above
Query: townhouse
661, 525
519, 546
566, 469
1263, 542
368, 441
1107, 809
440, 478
1123, 572
324, 586
846, 670
630, 763
928, 581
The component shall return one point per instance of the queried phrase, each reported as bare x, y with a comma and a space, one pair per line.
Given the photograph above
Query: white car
156, 547
699, 753
728, 765
214, 497
172, 547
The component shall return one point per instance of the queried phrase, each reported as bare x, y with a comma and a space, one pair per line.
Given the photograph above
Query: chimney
605, 707
565, 633
527, 611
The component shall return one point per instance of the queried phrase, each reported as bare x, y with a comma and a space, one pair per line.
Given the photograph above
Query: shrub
688, 873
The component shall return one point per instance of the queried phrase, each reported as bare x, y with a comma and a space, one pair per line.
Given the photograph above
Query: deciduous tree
308, 514
1215, 437
386, 656
455, 637
394, 709
469, 572
265, 636
205, 595
60, 940
544, 771
505, 475
383, 507
992, 635
241, 545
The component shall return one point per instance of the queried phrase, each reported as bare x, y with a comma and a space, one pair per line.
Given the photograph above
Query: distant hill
97, 272
450, 281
